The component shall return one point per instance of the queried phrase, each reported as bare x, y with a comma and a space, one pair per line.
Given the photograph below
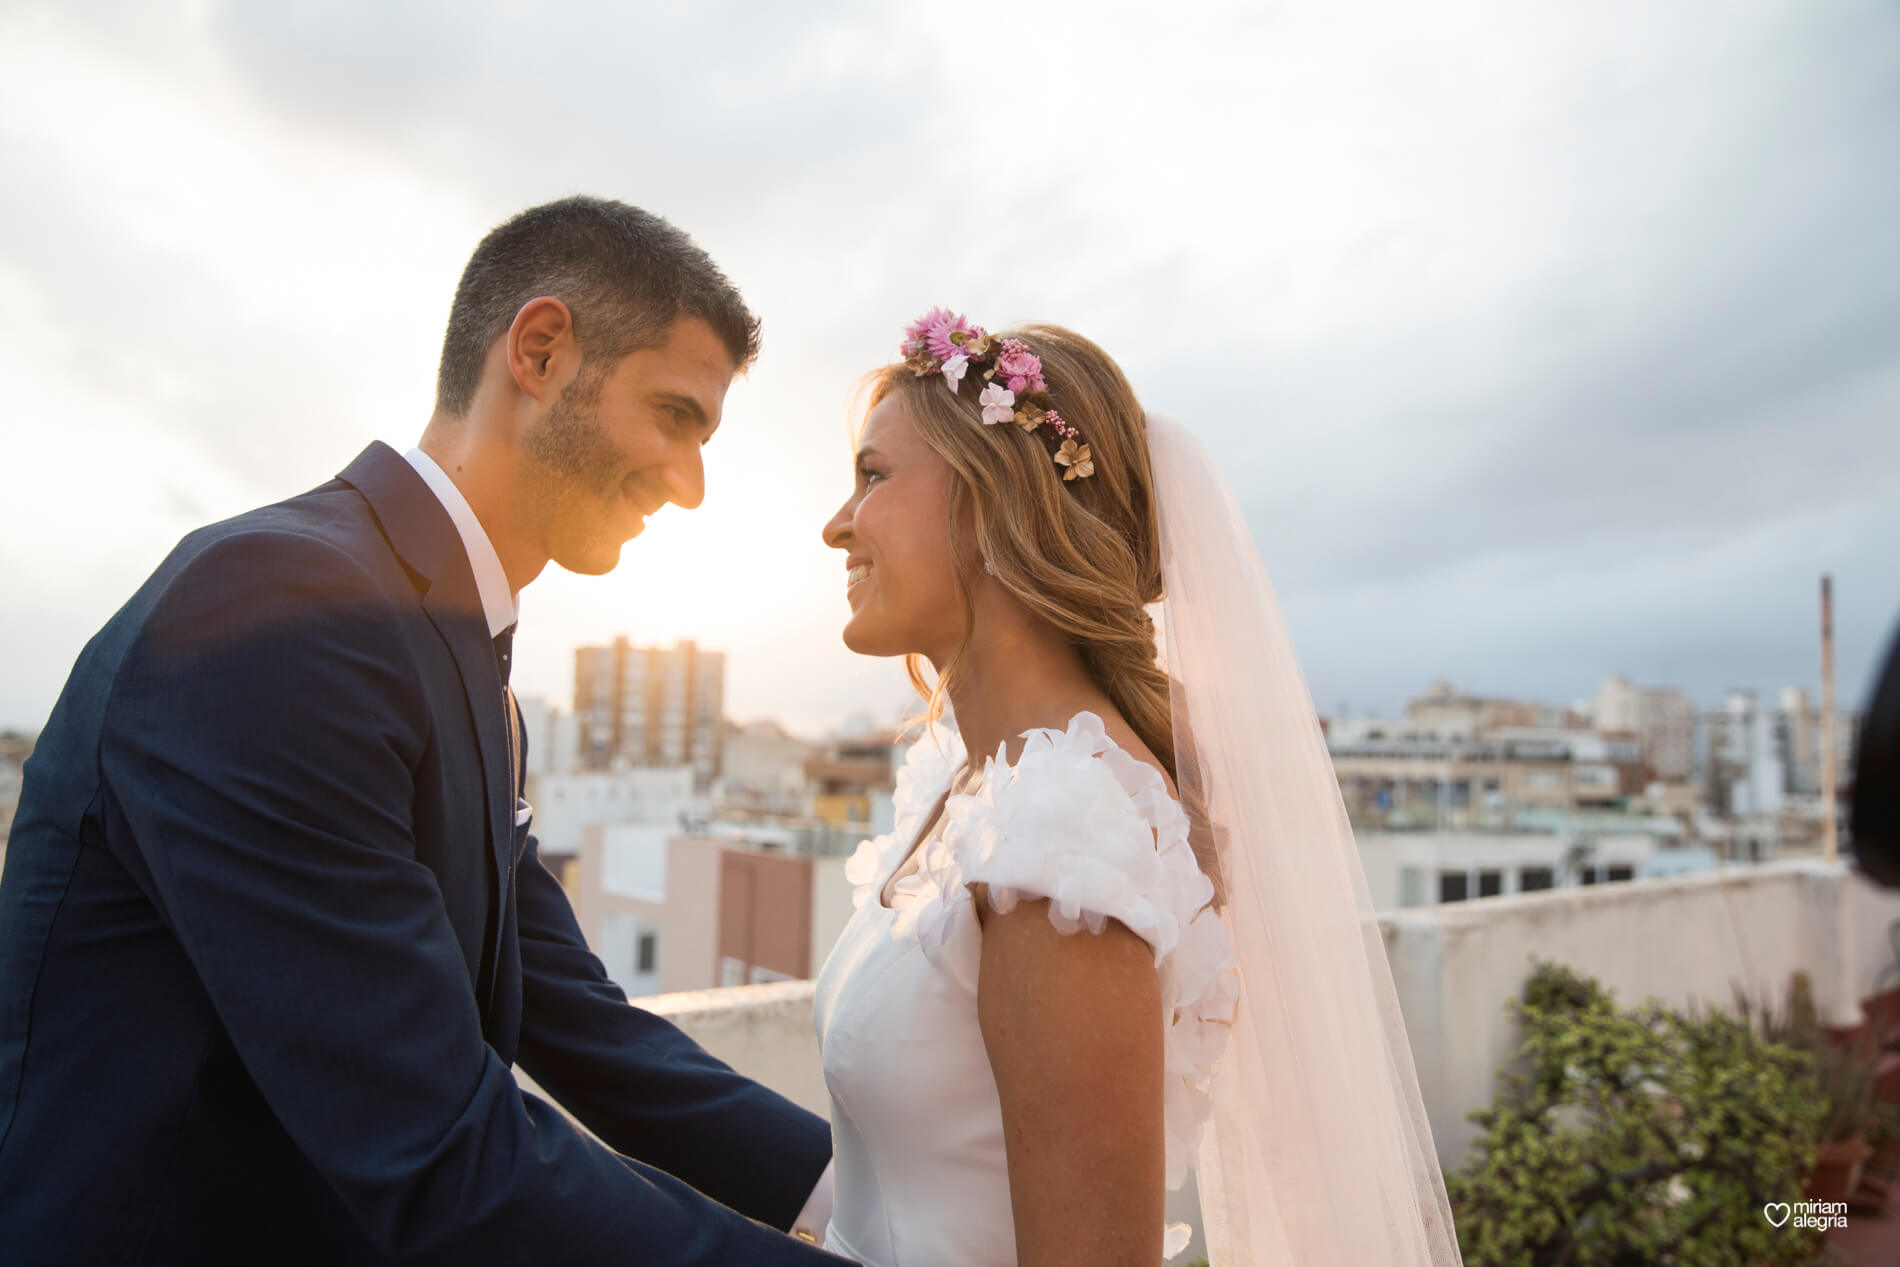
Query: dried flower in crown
1076, 458
947, 343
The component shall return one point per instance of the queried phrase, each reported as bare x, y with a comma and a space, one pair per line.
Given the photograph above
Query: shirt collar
498, 604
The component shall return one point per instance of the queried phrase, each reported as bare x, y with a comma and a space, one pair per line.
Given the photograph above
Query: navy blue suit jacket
270, 942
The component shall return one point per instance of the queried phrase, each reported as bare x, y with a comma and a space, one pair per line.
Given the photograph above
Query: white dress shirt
502, 607
499, 603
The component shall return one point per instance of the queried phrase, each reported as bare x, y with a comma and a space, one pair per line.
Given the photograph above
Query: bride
1120, 927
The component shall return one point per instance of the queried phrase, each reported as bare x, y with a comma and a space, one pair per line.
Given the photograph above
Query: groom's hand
812, 1221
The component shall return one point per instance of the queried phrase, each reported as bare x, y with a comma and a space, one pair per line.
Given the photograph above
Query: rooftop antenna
1830, 778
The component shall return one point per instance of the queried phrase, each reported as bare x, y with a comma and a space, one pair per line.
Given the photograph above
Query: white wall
1386, 856
618, 946
1456, 966
633, 860
565, 804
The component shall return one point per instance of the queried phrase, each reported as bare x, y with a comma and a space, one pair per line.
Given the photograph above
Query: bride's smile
900, 579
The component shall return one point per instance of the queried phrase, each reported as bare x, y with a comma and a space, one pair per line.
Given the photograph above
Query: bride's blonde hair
1085, 554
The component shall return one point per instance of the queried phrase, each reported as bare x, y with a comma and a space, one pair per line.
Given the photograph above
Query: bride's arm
1073, 1029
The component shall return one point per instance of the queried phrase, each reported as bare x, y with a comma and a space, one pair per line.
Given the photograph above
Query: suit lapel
424, 537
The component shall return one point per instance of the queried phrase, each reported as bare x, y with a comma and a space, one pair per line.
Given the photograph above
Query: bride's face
894, 530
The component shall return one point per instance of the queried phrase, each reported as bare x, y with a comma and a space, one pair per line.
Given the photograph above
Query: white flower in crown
953, 370
999, 404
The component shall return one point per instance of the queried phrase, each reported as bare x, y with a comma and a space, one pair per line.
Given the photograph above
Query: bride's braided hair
1084, 555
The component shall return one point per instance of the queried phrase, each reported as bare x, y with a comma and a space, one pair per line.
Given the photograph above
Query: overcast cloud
1543, 342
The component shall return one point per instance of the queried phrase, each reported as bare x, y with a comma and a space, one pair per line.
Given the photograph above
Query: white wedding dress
917, 1131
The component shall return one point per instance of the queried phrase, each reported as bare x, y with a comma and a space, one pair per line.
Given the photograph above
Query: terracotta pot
1842, 1037
1871, 1196
1887, 1078
1837, 1167
1885, 1157
1883, 1013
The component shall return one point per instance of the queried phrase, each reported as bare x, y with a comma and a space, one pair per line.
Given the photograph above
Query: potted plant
1796, 1022
1883, 1013
1634, 1135
1883, 1143
1846, 1082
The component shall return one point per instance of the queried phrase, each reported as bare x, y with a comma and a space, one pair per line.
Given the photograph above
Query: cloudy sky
1543, 341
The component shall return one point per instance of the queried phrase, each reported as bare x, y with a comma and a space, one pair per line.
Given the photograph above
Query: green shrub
1639, 1136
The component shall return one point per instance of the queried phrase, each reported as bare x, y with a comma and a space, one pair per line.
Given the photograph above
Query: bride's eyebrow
868, 452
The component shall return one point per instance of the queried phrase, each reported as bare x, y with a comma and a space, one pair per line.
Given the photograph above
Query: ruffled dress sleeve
1080, 822
923, 777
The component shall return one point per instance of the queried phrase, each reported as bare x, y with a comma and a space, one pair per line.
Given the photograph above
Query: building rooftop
1683, 941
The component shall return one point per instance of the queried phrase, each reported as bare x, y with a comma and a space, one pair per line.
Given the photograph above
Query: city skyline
1539, 346
1769, 696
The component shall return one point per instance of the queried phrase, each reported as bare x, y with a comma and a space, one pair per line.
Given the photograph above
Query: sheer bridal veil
1318, 1153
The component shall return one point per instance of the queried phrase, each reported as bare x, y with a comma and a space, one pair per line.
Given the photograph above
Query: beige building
1663, 718
676, 891
851, 785
1458, 761
1404, 778
1448, 713
650, 706
762, 767
667, 913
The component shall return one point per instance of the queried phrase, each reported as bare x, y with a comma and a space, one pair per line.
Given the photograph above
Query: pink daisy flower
916, 334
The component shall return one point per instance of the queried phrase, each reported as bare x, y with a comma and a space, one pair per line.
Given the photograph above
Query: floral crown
943, 342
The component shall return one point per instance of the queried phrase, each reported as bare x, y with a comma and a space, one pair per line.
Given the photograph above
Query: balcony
1682, 941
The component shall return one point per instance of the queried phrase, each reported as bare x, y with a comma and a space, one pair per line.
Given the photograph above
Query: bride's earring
987, 568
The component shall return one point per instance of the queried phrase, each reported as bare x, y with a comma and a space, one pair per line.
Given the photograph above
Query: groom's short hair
626, 276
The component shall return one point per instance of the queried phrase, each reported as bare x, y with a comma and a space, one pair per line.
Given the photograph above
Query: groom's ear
540, 349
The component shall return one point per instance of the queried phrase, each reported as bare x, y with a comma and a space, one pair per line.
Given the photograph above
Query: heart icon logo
1773, 1206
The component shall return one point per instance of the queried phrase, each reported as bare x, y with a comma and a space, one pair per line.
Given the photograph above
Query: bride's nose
838, 531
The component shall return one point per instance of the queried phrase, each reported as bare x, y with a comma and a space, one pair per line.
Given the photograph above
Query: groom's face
622, 441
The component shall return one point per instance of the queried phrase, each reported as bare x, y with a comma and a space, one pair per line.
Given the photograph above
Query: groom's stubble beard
571, 477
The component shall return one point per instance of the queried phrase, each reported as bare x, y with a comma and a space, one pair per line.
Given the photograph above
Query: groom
273, 929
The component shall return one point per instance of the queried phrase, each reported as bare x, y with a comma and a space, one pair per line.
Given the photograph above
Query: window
1531, 879
1490, 883
1453, 886
1587, 873
1622, 873
649, 953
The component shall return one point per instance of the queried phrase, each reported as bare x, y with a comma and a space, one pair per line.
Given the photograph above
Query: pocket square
524, 812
